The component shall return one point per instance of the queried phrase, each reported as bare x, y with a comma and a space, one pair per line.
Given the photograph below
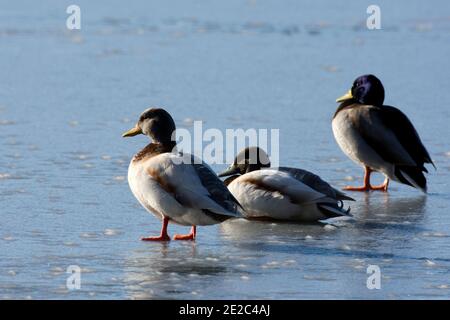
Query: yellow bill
346, 96
132, 132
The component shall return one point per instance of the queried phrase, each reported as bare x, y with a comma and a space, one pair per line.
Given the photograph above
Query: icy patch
435, 234
6, 122
329, 227
88, 235
110, 232
430, 263
4, 176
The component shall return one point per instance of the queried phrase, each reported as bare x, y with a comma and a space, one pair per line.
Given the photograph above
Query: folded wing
316, 183
196, 186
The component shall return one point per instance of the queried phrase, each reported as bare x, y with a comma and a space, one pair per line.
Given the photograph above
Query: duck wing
276, 181
216, 188
406, 134
315, 182
391, 134
194, 185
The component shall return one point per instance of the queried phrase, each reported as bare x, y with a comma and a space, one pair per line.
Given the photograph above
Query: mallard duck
175, 187
281, 193
379, 137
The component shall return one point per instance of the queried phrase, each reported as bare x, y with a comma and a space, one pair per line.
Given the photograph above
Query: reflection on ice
165, 271
263, 231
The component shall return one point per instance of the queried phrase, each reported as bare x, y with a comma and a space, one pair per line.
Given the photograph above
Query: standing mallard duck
173, 186
380, 138
282, 193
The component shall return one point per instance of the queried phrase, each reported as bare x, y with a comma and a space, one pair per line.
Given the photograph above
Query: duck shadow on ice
376, 218
165, 271
384, 211
184, 260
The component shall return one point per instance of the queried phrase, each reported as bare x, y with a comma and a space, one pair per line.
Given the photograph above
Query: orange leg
190, 236
381, 187
367, 186
163, 236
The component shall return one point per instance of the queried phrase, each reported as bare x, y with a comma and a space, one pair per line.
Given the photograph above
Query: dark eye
359, 91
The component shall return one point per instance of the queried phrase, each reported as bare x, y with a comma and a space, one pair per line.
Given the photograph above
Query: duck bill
132, 132
345, 97
228, 172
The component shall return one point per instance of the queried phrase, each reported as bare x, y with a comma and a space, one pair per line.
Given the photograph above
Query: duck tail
412, 176
333, 210
342, 196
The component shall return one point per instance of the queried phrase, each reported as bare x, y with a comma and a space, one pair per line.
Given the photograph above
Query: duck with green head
379, 137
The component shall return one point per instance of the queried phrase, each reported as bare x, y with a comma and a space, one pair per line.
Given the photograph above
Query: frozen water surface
66, 97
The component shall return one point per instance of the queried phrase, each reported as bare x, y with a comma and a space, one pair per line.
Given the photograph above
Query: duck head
249, 159
366, 89
155, 123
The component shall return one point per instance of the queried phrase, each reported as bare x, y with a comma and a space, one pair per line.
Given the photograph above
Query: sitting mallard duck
173, 186
283, 193
379, 137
